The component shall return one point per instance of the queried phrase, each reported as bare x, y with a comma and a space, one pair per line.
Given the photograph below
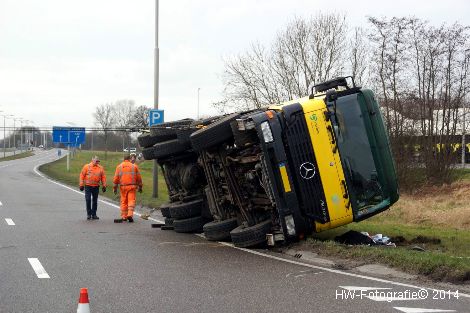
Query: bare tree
124, 111
422, 84
358, 55
141, 117
105, 119
305, 53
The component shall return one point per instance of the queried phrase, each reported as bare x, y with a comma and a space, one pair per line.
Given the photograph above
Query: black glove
103, 189
140, 189
82, 188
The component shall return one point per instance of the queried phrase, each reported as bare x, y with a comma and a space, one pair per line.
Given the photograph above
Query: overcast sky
59, 59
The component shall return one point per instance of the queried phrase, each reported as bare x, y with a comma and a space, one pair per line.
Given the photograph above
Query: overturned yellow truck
282, 172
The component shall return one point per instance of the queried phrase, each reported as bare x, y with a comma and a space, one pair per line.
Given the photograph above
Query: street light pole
155, 97
4, 116
21, 134
14, 135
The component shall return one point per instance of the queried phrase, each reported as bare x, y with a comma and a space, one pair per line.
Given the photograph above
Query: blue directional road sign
73, 136
155, 117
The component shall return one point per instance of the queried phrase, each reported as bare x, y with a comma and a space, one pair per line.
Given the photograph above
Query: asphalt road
136, 268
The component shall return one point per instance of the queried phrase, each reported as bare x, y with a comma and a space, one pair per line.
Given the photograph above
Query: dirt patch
401, 241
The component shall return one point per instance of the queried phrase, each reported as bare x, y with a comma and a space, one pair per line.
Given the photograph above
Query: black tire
185, 210
189, 225
244, 237
168, 148
146, 140
214, 134
148, 154
219, 230
166, 131
183, 135
169, 221
165, 210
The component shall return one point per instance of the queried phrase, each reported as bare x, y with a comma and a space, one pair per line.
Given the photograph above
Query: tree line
419, 72
123, 115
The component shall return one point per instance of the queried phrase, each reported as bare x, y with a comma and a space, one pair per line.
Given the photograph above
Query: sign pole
155, 96
68, 157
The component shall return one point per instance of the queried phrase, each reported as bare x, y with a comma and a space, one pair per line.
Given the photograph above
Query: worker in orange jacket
127, 175
91, 176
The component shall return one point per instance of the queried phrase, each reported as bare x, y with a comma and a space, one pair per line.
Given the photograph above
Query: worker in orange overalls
91, 176
127, 175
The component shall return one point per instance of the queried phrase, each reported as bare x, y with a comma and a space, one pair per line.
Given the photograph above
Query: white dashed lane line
38, 268
1, 203
10, 222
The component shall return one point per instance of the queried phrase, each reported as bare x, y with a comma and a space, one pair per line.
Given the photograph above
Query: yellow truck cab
328, 157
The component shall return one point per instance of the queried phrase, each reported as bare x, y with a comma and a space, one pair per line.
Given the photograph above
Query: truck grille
299, 151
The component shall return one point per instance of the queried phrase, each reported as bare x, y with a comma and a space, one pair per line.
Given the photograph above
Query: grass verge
17, 156
58, 171
446, 255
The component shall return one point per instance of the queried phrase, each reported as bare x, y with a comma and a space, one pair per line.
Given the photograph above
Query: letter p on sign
155, 117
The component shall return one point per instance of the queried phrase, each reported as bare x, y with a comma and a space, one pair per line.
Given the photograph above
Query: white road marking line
38, 268
418, 310
353, 288
268, 255
326, 269
10, 221
1, 203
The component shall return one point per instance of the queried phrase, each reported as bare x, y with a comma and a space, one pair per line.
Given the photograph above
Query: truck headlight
267, 134
290, 225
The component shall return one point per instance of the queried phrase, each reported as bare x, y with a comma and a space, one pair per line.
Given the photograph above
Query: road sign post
155, 117
68, 136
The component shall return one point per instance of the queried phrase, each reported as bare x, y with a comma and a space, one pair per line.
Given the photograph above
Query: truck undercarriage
245, 175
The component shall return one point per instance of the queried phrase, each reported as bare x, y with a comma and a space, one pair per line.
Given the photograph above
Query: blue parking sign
155, 117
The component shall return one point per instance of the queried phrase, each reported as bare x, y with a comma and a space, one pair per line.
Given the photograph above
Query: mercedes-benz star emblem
307, 170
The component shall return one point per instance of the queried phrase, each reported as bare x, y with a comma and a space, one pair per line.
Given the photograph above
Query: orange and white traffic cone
83, 304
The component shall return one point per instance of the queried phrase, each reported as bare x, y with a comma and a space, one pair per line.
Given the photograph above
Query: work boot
130, 219
88, 217
119, 220
94, 217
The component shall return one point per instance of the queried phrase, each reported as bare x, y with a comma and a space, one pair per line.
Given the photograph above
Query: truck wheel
250, 236
169, 221
186, 209
168, 148
146, 140
165, 209
183, 135
214, 134
219, 230
189, 225
148, 154
166, 131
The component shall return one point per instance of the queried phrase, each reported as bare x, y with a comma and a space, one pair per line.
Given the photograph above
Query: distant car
130, 150
41, 147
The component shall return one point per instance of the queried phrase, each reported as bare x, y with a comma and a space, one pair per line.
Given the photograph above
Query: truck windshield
356, 154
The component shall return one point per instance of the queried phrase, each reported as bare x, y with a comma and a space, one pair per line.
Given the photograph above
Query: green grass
460, 174
17, 156
448, 260
434, 265
58, 170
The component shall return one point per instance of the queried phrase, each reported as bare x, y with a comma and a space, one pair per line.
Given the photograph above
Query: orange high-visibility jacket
92, 175
127, 174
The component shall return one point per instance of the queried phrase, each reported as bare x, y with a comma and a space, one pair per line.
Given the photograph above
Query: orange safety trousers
127, 200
